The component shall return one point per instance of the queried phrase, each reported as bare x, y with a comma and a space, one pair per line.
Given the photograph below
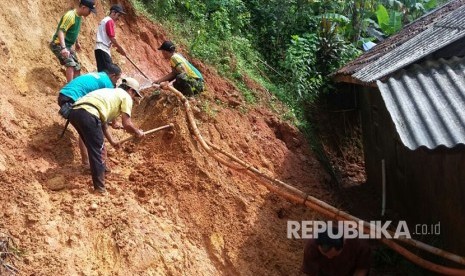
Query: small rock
32, 218
93, 206
57, 183
132, 177
113, 159
24, 124
29, 260
49, 91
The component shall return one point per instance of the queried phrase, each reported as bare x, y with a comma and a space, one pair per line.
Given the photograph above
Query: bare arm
129, 126
168, 77
64, 50
107, 134
77, 45
119, 49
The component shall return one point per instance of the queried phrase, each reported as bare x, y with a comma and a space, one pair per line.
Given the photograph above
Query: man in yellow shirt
188, 80
90, 116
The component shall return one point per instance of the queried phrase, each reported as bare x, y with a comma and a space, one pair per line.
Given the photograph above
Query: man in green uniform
66, 36
188, 79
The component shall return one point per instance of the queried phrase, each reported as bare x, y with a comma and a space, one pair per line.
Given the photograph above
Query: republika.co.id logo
352, 229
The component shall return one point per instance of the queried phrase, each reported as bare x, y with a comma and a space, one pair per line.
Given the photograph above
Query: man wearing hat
83, 85
66, 36
106, 38
90, 116
188, 79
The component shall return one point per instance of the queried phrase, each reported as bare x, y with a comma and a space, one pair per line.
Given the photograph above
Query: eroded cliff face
171, 209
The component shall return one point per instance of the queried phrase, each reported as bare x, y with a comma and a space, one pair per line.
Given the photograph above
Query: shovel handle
137, 68
146, 133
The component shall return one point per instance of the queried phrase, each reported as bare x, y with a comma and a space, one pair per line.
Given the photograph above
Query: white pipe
383, 179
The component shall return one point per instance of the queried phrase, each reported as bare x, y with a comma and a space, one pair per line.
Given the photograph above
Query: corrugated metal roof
407, 33
427, 103
442, 33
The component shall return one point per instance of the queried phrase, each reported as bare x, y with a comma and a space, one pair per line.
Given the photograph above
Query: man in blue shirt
83, 85
89, 82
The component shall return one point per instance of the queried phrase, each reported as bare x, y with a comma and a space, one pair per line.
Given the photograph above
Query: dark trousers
66, 104
103, 60
188, 86
90, 130
62, 99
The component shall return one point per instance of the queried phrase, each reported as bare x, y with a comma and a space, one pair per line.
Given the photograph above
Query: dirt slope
172, 209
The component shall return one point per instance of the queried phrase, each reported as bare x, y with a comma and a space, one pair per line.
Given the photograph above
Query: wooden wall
423, 186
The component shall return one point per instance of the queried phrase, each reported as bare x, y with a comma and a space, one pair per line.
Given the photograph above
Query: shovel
138, 68
146, 133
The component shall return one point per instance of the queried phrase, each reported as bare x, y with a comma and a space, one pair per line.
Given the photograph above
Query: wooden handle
146, 133
138, 68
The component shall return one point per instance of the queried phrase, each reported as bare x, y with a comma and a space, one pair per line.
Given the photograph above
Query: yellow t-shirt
178, 60
111, 102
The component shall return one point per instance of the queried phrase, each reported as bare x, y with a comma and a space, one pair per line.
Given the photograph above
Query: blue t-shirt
85, 84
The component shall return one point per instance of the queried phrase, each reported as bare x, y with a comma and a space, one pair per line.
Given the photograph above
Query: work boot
100, 191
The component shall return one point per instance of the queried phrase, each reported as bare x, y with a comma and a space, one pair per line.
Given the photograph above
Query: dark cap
167, 46
117, 8
90, 4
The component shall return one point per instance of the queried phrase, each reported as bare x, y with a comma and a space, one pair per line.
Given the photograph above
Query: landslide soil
171, 208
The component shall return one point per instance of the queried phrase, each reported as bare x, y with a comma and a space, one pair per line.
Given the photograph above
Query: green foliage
301, 63
289, 47
209, 109
303, 40
414, 9
212, 30
311, 58
248, 94
274, 22
390, 22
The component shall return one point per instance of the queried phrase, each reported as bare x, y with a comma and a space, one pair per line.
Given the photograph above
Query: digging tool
152, 85
138, 68
146, 133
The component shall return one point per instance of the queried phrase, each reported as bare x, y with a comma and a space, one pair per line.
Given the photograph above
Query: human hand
164, 85
65, 52
121, 51
117, 125
139, 133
